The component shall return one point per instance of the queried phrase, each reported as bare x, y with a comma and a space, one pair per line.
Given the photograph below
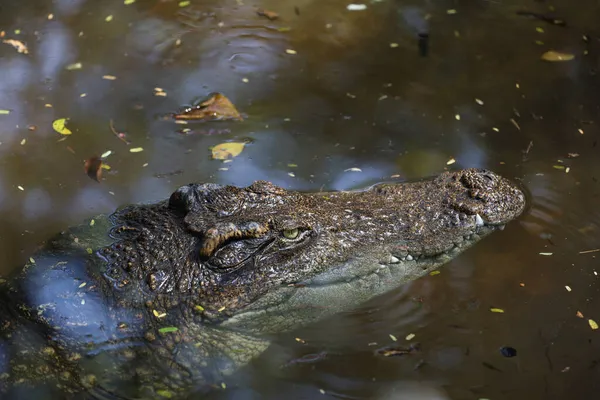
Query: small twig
121, 136
515, 123
526, 152
589, 251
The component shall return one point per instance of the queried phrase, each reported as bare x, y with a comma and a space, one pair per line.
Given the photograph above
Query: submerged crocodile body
159, 300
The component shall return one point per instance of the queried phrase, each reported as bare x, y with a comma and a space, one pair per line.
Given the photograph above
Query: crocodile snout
494, 199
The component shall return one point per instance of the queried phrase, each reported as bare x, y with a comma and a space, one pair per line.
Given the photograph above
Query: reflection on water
358, 93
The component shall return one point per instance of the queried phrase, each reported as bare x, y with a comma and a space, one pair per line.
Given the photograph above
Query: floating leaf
393, 338
59, 126
184, 3
17, 44
199, 308
496, 310
434, 273
168, 329
216, 107
4, 112
554, 56
356, 7
579, 314
410, 336
74, 66
93, 168
272, 15
593, 324
128, 2
136, 149
164, 393
109, 18
227, 150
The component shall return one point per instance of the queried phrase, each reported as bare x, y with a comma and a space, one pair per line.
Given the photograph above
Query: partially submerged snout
480, 192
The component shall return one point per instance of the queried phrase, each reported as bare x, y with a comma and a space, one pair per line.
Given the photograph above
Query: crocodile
164, 300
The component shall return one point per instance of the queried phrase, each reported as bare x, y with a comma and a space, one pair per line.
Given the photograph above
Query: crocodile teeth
501, 227
409, 258
478, 220
394, 260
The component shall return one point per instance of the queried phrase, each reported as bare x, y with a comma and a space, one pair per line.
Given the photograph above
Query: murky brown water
349, 98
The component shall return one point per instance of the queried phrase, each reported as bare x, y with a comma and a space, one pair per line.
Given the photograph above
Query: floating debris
18, 45
496, 310
59, 126
507, 351
272, 15
216, 107
545, 18
356, 7
74, 66
394, 351
227, 150
93, 168
556, 56
168, 329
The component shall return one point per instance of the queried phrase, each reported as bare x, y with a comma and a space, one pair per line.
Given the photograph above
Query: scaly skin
180, 293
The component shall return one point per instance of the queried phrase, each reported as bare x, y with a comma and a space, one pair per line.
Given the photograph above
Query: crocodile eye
291, 233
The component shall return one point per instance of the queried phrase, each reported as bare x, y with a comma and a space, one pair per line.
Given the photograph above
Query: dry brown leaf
272, 15
216, 107
93, 168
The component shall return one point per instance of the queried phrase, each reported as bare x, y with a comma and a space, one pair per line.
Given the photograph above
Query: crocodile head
185, 291
224, 247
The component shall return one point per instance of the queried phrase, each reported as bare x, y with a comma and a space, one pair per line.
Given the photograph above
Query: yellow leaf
136, 150
496, 310
59, 126
224, 151
593, 324
554, 56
